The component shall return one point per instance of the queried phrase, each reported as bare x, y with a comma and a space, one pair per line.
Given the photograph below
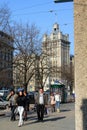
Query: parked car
4, 93
4, 104
31, 97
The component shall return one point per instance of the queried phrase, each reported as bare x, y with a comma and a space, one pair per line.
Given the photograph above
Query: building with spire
57, 47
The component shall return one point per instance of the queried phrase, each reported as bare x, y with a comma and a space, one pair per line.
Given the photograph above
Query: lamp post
61, 1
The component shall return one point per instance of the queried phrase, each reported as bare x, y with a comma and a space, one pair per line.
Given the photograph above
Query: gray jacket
12, 99
37, 98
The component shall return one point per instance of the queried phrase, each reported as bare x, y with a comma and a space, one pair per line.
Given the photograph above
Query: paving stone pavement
65, 120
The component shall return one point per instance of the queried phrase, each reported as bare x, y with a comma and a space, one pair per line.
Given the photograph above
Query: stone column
80, 31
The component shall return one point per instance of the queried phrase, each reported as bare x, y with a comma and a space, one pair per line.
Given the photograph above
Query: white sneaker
19, 125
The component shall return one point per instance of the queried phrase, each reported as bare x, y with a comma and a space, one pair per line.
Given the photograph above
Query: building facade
57, 47
6, 59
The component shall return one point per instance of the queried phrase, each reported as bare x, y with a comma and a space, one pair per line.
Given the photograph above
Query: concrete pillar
80, 31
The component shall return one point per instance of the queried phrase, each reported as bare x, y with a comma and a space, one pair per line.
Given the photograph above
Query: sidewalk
65, 120
3, 112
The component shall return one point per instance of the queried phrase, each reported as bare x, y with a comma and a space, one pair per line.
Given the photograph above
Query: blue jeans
57, 104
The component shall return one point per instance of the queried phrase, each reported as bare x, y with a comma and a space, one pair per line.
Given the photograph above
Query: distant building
57, 47
6, 59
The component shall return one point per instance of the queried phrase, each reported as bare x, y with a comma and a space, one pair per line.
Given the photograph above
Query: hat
21, 89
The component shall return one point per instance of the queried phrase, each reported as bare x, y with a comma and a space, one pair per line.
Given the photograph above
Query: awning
57, 85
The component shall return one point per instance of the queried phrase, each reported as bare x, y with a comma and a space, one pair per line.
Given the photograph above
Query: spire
55, 28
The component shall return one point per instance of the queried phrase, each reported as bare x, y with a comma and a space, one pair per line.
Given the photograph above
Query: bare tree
45, 69
26, 43
5, 18
68, 76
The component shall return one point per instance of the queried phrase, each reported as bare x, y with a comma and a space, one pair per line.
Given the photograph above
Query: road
65, 120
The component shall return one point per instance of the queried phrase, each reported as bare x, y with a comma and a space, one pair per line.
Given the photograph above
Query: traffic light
61, 1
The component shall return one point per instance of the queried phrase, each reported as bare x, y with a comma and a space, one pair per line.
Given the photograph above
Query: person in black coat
21, 104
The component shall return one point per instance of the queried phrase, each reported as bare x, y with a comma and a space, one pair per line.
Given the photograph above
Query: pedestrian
21, 105
40, 101
57, 100
12, 97
26, 107
52, 102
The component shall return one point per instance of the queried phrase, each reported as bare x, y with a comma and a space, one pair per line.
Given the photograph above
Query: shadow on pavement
65, 110
45, 120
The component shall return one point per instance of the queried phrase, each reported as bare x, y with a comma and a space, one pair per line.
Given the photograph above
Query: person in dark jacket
26, 107
21, 104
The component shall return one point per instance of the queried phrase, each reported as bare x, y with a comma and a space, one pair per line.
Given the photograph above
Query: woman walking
12, 97
21, 105
52, 102
57, 100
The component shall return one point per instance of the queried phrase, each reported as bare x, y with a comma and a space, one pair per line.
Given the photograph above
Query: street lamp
61, 1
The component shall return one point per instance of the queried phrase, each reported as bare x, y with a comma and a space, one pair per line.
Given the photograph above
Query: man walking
41, 101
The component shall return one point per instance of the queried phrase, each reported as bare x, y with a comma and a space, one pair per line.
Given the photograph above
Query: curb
2, 113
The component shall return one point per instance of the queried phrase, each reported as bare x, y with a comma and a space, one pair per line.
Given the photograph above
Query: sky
44, 13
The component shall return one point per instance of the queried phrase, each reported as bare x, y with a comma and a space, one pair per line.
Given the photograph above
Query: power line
42, 4
36, 5
66, 24
39, 12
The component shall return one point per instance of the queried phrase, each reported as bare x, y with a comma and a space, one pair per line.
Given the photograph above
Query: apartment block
6, 59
